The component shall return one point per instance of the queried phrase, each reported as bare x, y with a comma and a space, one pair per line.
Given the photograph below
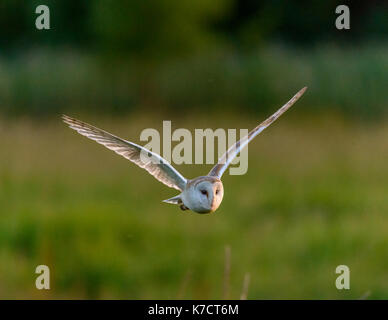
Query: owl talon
183, 207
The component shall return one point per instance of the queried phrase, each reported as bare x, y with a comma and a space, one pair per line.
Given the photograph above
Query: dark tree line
170, 27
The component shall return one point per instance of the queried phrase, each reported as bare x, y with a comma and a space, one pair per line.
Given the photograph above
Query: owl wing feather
158, 167
225, 160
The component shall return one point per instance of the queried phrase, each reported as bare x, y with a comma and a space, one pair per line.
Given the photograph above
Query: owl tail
174, 200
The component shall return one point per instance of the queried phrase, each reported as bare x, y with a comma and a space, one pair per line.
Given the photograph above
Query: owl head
205, 194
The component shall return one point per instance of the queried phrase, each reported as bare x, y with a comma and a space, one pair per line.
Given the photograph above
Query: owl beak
213, 203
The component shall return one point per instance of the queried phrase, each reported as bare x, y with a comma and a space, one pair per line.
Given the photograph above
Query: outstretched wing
160, 168
233, 151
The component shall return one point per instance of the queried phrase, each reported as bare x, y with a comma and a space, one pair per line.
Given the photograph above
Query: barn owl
203, 194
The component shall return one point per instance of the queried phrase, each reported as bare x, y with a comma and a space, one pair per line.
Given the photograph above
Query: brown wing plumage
158, 167
225, 160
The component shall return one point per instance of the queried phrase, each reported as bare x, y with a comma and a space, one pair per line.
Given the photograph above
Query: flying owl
202, 194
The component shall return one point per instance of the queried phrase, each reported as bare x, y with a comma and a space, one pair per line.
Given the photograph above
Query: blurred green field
314, 197
348, 80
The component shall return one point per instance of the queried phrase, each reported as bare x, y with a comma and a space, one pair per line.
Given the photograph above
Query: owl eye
217, 191
204, 192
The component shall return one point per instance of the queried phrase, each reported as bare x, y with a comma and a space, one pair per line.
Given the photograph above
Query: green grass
350, 80
314, 197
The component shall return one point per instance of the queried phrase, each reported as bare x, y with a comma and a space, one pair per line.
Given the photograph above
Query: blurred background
314, 197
